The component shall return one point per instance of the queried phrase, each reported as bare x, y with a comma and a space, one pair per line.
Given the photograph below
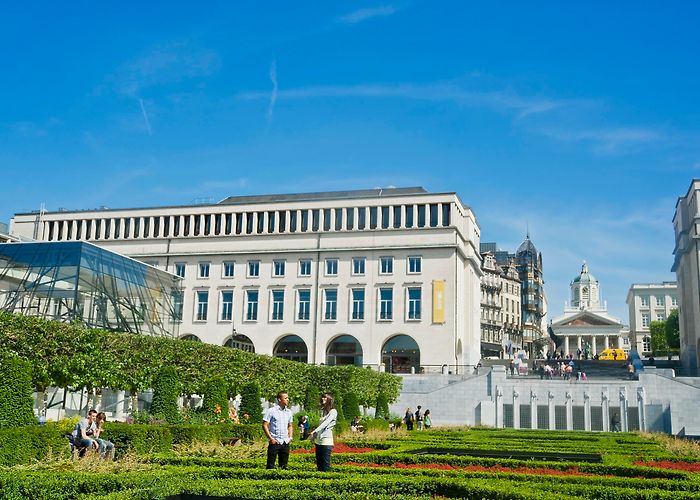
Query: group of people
278, 426
567, 371
421, 420
87, 432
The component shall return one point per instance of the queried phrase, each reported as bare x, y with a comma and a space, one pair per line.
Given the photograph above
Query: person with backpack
408, 419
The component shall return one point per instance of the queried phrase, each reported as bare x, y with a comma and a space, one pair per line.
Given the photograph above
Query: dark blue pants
275, 450
323, 457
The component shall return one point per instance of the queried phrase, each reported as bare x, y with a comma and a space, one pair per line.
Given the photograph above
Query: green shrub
250, 404
311, 397
381, 409
351, 406
31, 444
166, 389
215, 404
16, 403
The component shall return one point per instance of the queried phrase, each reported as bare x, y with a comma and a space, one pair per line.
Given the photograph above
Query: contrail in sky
273, 95
145, 117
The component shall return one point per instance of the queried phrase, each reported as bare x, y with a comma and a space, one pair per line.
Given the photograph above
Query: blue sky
578, 120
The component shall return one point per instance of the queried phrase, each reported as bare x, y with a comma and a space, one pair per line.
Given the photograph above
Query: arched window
240, 342
400, 353
293, 348
344, 350
191, 337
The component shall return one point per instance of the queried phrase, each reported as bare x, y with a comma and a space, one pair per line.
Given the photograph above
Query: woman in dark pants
322, 436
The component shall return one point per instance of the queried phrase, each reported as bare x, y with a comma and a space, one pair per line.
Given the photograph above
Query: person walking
427, 420
419, 419
322, 436
408, 419
278, 426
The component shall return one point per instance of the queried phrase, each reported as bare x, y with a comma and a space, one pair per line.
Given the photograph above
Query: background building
533, 300
649, 302
686, 265
586, 324
501, 334
370, 277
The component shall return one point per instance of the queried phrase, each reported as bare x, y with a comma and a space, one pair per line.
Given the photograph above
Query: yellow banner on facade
438, 301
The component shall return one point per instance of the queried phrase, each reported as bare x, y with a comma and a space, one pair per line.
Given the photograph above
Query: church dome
585, 276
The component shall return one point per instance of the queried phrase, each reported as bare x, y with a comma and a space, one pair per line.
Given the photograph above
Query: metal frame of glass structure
69, 281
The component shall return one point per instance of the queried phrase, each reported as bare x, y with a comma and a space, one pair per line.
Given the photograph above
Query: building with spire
586, 322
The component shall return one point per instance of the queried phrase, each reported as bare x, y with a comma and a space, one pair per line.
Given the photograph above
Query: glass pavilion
68, 281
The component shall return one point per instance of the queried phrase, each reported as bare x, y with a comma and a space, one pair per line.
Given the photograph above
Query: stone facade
649, 302
686, 265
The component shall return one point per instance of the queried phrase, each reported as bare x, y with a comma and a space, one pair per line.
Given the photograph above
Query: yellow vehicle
612, 354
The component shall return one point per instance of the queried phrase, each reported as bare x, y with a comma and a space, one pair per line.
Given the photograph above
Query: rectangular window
645, 320
397, 216
331, 267
644, 300
326, 219
660, 315
415, 264
271, 222
315, 219
305, 267
386, 303
229, 267
180, 269
251, 307
421, 215
373, 217
409, 215
349, 219
433, 215
226, 305
253, 268
330, 304
203, 270
283, 221
658, 301
361, 217
414, 303
202, 305
304, 220
338, 219
646, 344
386, 265
278, 268
293, 221
358, 304
303, 304
674, 300
358, 266
445, 214
178, 304
385, 217
277, 305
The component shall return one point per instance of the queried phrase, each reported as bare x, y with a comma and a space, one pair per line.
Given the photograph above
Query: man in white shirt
83, 433
278, 427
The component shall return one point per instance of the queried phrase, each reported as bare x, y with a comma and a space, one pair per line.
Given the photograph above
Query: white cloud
609, 140
145, 117
360, 15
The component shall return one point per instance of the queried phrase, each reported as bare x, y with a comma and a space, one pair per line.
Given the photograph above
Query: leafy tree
166, 390
16, 403
657, 332
250, 403
311, 397
673, 335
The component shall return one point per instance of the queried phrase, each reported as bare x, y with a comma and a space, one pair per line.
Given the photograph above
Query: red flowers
667, 464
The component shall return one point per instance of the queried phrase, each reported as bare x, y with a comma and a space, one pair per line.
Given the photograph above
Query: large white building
586, 325
686, 264
374, 277
649, 302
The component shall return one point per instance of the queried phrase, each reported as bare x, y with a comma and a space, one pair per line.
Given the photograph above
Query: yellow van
612, 354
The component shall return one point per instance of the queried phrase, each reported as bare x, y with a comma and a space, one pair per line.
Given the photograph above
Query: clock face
585, 289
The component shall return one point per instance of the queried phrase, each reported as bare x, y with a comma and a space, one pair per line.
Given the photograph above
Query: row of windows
263, 222
645, 300
646, 318
414, 265
356, 299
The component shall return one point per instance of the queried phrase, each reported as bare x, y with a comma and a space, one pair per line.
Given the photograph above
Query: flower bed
668, 464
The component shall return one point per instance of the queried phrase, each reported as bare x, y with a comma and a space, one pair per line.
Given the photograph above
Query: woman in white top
322, 436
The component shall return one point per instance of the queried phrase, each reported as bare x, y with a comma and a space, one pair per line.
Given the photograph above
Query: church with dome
586, 322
